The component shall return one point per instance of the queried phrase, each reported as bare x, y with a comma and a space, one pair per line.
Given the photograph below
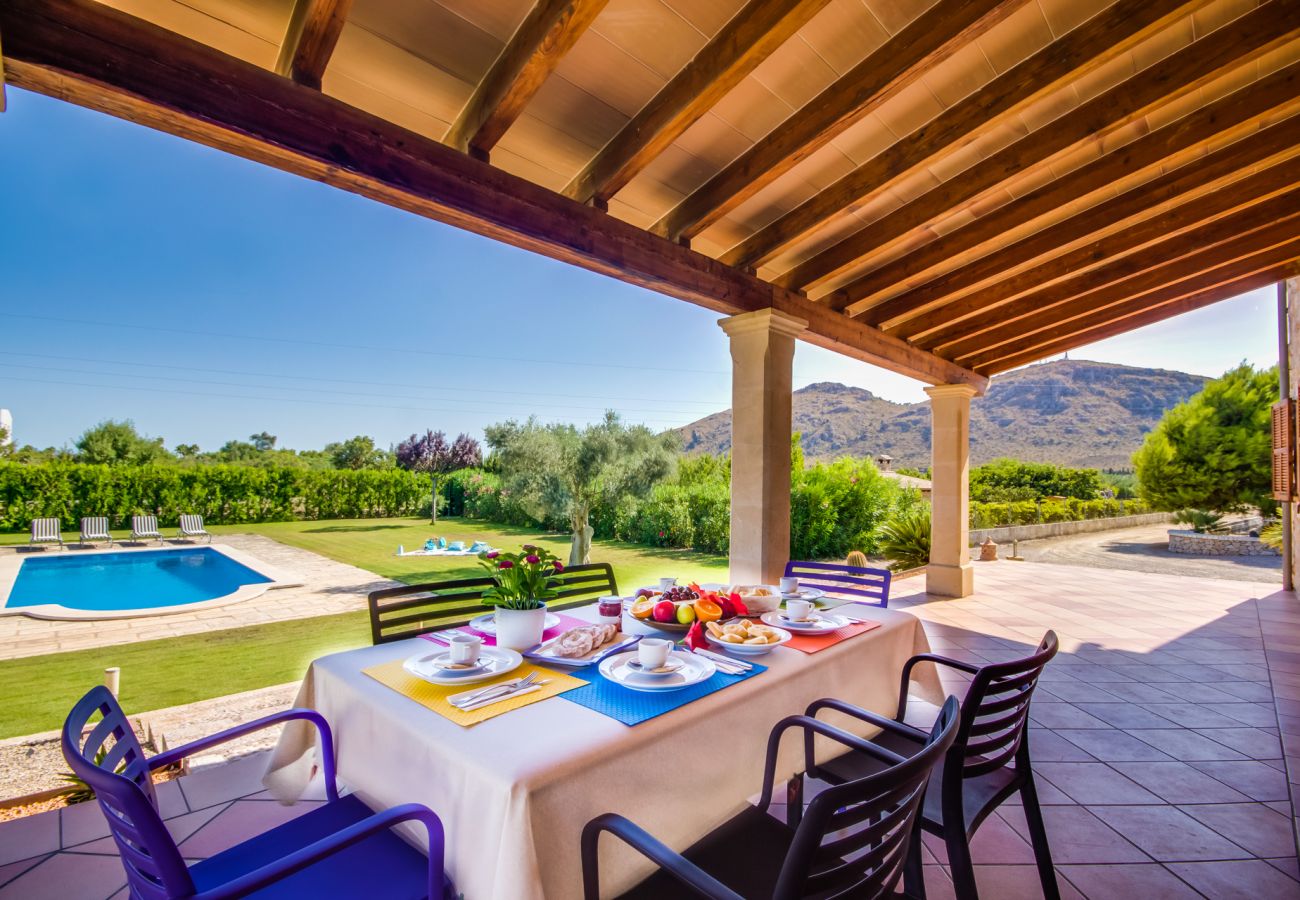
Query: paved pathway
1145, 549
327, 587
1161, 736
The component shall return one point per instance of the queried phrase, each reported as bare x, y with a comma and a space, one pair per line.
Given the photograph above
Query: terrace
947, 191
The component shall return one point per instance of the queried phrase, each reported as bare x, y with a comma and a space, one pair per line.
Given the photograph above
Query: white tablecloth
515, 791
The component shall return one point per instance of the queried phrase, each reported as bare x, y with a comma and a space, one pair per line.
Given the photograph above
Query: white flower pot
519, 629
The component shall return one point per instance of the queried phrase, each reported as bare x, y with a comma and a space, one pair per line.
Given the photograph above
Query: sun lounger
46, 531
95, 528
477, 548
192, 527
145, 527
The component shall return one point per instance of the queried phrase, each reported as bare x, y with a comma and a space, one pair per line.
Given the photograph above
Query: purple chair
342, 849
857, 839
864, 585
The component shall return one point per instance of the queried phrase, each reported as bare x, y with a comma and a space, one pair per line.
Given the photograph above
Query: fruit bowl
678, 608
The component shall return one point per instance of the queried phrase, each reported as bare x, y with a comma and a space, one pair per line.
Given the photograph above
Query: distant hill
1072, 412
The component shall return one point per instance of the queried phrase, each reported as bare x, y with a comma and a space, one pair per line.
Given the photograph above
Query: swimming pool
126, 583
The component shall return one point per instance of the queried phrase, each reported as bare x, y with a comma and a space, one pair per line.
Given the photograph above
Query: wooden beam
745, 41
914, 312
309, 41
1237, 257
1233, 115
546, 34
1113, 31
95, 56
951, 319
929, 39
1241, 40
1239, 234
1140, 313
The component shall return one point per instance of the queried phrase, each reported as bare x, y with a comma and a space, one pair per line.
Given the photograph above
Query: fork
505, 687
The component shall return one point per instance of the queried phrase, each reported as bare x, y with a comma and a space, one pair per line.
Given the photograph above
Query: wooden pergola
946, 189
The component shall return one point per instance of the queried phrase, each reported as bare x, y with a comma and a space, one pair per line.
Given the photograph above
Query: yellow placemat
435, 696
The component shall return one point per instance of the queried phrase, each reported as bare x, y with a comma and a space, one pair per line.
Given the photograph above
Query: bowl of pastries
745, 637
758, 598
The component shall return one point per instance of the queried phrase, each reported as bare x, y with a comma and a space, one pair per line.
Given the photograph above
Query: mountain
1072, 412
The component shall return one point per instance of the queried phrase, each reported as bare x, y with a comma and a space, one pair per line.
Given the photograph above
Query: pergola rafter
908, 55
309, 41
549, 31
1236, 43
1112, 31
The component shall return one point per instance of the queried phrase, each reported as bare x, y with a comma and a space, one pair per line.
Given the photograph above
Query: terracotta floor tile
1252, 826
1127, 715
1246, 690
1110, 744
226, 782
1184, 744
238, 822
1168, 834
11, 871
1254, 714
1075, 692
64, 876
1195, 715
1048, 746
1288, 864
1018, 883
1253, 742
1149, 881
1236, 880
1257, 780
1090, 783
1077, 836
994, 843
1145, 693
1178, 782
1062, 715
28, 837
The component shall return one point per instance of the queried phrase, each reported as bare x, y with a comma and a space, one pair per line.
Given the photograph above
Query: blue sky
208, 298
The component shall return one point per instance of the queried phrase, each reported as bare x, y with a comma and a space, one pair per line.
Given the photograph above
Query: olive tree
562, 472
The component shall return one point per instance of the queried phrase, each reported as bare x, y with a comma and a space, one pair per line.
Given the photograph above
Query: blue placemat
633, 707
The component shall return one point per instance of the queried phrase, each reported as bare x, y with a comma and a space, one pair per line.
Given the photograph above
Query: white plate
496, 661
804, 594
487, 623
545, 651
694, 669
441, 663
749, 649
818, 623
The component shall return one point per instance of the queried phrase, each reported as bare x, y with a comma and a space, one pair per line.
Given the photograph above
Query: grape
680, 594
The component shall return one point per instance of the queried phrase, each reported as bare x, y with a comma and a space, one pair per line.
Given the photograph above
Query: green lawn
39, 690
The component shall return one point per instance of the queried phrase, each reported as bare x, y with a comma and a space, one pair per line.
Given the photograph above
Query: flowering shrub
523, 579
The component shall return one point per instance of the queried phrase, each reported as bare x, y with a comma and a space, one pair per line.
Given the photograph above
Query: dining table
515, 791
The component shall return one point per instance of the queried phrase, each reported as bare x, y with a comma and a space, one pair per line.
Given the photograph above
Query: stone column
949, 573
762, 356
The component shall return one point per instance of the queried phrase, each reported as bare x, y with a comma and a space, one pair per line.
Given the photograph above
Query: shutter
1283, 458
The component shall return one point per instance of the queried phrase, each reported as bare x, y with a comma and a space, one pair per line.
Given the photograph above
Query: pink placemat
566, 622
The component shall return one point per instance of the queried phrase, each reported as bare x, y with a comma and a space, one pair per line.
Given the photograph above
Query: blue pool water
119, 581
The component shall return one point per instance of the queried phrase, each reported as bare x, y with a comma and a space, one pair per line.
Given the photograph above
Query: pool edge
11, 563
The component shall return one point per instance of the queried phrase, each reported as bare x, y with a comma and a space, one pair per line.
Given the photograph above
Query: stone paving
1145, 549
327, 587
1161, 736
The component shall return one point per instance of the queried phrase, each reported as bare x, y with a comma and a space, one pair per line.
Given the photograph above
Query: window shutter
1282, 451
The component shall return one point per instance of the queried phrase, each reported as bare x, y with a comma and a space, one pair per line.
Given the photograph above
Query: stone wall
1005, 534
1193, 544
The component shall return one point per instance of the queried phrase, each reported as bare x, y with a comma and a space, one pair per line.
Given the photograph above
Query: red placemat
566, 622
811, 643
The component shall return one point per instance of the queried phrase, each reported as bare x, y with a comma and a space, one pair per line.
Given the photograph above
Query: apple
685, 614
665, 611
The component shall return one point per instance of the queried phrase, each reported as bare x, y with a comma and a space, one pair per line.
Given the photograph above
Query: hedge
1027, 512
223, 495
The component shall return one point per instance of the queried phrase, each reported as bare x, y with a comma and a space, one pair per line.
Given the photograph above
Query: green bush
223, 495
905, 538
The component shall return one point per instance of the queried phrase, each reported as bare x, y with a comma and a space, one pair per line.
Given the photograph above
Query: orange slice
642, 608
707, 611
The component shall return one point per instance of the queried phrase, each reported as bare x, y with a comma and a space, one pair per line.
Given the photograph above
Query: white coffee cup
666, 583
789, 585
464, 649
798, 610
652, 653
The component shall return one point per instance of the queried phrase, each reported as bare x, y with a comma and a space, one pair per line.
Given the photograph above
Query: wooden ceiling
949, 188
